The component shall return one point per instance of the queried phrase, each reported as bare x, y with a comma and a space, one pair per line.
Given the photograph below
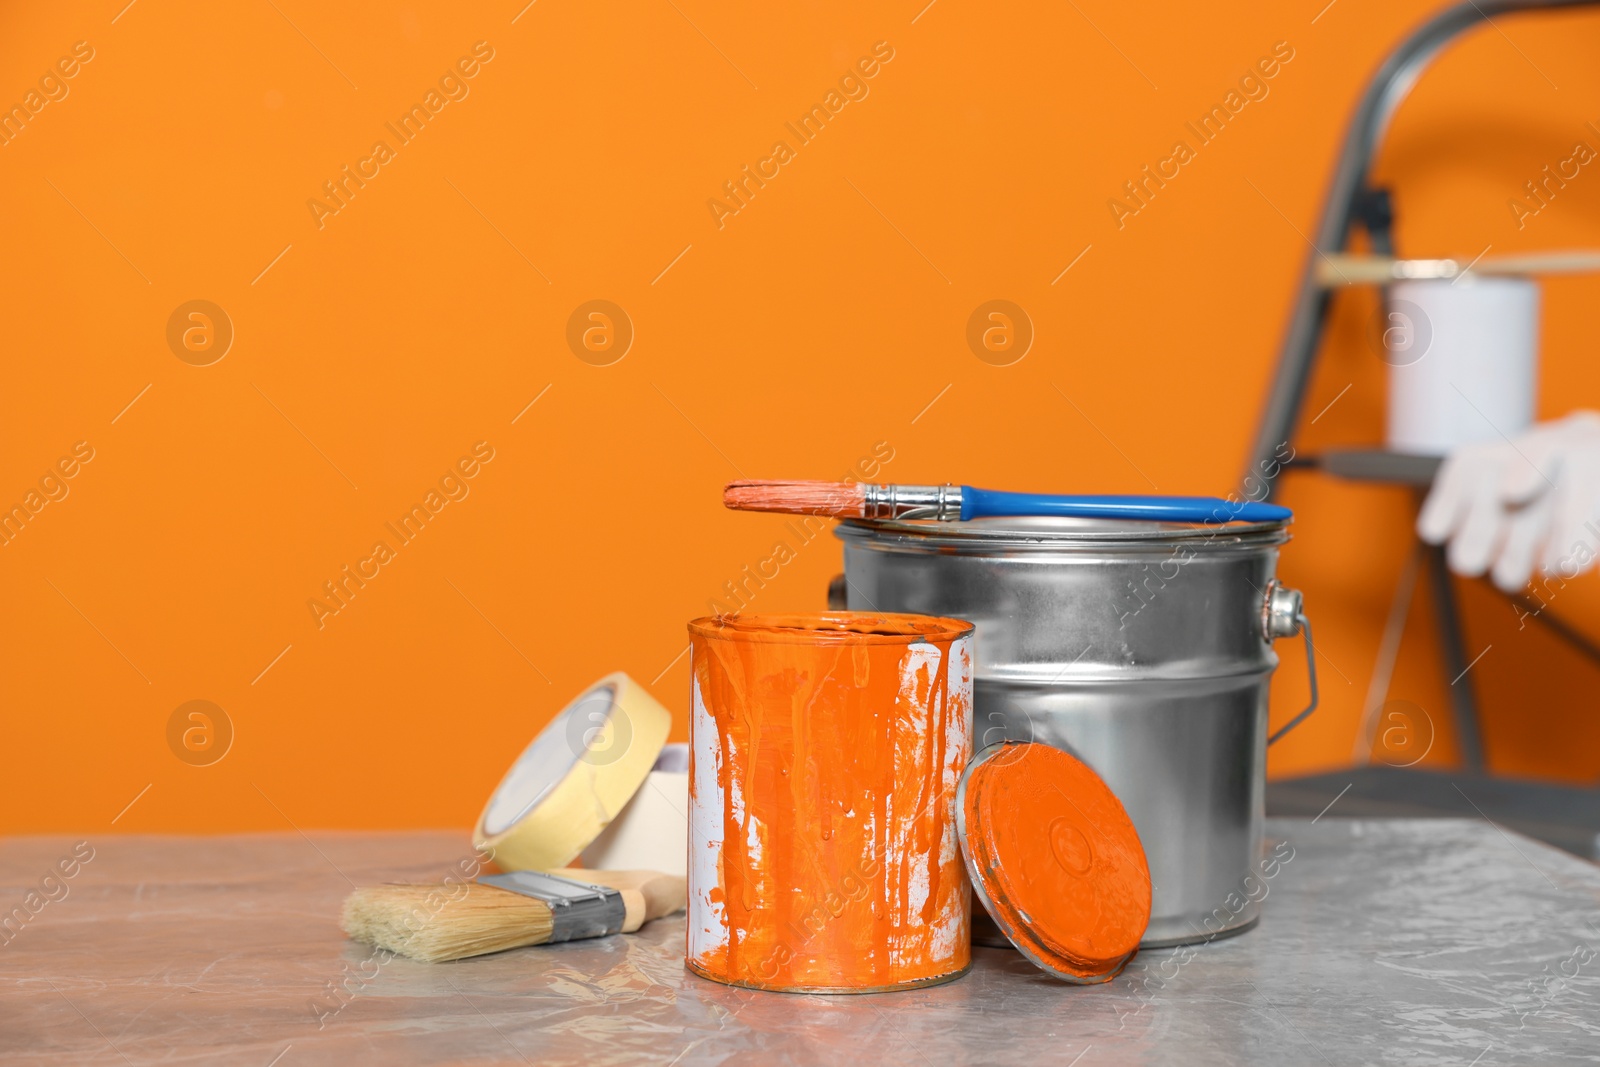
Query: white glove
1513, 504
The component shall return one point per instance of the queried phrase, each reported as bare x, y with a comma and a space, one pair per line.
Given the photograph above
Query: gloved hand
1516, 504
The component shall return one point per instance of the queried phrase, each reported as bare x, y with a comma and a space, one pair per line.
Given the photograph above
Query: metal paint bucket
1144, 649
825, 753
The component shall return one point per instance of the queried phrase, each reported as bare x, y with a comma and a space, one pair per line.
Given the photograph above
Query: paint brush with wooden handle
500, 911
951, 502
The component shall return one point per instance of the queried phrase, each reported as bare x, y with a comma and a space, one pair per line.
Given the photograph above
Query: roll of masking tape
652, 832
575, 777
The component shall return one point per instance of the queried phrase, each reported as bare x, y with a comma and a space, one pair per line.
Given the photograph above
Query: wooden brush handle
646, 895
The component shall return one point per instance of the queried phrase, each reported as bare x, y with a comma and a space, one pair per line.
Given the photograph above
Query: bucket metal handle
1283, 615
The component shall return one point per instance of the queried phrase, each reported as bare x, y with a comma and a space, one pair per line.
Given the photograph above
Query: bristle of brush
433, 923
835, 499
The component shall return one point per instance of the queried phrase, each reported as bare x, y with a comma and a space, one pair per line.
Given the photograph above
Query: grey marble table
1415, 942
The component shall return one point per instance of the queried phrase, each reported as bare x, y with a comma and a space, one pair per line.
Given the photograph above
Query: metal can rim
833, 627
831, 990
1053, 534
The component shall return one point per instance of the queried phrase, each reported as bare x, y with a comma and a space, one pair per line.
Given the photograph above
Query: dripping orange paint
825, 756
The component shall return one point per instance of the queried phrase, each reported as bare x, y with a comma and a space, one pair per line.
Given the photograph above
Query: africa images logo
807, 128
452, 87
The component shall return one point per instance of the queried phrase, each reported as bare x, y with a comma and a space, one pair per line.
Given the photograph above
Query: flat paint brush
433, 923
951, 502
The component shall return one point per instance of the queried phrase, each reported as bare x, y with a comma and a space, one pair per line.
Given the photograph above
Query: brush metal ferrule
942, 502
577, 909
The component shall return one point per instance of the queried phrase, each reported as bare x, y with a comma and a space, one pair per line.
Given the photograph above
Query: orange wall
821, 319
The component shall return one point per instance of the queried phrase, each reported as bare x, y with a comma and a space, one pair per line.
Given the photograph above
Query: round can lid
1054, 858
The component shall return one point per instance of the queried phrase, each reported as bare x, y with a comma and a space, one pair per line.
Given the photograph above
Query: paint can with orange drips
825, 755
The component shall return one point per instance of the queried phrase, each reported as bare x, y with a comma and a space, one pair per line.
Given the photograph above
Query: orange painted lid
1054, 858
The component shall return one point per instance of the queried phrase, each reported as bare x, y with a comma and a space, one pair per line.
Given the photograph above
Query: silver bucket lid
1053, 533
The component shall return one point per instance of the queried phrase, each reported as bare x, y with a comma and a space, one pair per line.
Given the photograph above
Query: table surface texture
1382, 941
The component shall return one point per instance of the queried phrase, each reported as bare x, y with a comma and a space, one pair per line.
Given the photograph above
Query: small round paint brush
434, 923
949, 503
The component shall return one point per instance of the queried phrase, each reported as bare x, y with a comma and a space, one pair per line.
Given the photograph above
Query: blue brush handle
987, 503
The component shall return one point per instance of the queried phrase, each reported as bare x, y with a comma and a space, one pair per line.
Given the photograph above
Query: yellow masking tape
574, 778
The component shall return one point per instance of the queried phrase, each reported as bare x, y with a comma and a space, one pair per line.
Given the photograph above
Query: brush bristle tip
832, 499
